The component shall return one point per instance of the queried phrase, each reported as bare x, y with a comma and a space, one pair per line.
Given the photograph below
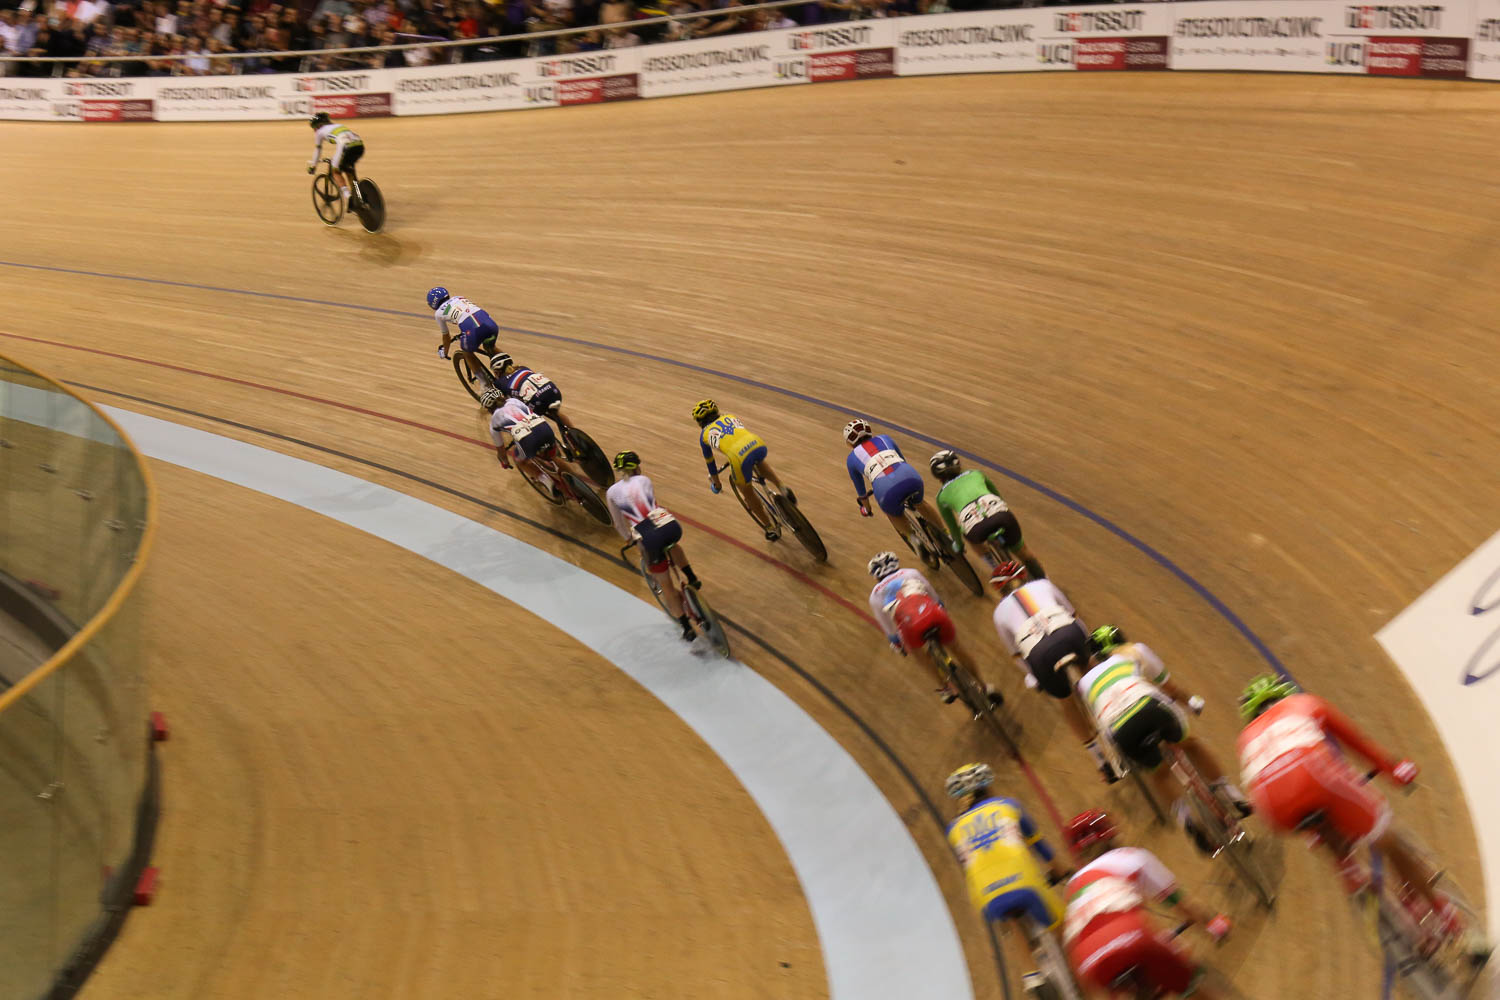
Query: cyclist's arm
1151, 666
708, 453
990, 486
1342, 728
857, 476
946, 510
883, 617
622, 526
317, 150
1033, 836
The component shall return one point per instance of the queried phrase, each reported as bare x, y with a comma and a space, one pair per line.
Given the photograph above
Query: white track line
884, 927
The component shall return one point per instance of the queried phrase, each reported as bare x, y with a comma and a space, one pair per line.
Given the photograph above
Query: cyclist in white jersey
348, 147
520, 436
1038, 626
636, 516
1137, 707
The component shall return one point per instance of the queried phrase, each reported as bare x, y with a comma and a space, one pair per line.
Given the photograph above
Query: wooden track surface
1245, 318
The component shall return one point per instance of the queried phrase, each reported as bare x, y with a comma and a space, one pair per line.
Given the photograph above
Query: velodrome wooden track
1247, 319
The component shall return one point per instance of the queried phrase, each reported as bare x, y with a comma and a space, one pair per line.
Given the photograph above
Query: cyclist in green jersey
1137, 707
975, 512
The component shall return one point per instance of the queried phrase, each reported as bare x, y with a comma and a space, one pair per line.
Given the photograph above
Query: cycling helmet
706, 412
856, 431
1089, 828
1104, 638
319, 120
944, 465
1264, 690
1007, 572
883, 565
491, 399
500, 364
969, 779
626, 460
437, 296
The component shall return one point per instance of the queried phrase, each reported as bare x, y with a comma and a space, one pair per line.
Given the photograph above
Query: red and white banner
1445, 40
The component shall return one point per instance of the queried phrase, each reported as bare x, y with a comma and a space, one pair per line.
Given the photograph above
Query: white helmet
969, 779
491, 399
883, 565
856, 431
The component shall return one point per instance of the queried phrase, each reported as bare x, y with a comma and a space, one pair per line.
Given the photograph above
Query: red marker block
159, 731
145, 888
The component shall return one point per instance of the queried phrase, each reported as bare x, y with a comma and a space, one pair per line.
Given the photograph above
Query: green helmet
1262, 691
1104, 638
627, 460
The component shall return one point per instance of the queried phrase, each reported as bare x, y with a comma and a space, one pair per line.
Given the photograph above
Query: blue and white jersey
474, 324
524, 384
872, 459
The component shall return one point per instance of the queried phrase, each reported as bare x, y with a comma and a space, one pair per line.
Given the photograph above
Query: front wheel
767, 519
708, 621
961, 568
475, 385
327, 201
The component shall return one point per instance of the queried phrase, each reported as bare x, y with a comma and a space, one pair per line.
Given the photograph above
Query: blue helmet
437, 296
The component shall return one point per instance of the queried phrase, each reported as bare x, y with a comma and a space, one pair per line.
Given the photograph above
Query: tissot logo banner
341, 83
1093, 38
856, 51
1383, 19
590, 64
1255, 35
1484, 50
1430, 40
484, 86
988, 41
711, 64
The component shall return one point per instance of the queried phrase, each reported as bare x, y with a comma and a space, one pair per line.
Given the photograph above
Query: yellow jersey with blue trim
737, 443
1002, 852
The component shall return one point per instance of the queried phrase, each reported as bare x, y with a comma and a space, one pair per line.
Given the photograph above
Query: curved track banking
1145, 292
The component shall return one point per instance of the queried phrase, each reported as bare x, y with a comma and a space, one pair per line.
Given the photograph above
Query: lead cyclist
348, 147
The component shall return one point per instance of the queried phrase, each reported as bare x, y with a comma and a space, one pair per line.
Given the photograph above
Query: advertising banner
1430, 40
361, 94
588, 77
1253, 35
984, 41
27, 99
481, 86
1484, 47
1107, 38
217, 98
712, 64
852, 50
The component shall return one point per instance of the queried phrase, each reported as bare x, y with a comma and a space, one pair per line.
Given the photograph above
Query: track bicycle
366, 200
1053, 979
704, 619
1131, 984
1118, 762
1434, 961
1218, 820
935, 548
778, 511
565, 487
971, 691
577, 445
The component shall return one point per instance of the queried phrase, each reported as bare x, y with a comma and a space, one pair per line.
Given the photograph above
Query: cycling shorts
1003, 522
1114, 943
535, 441
742, 464
478, 331
1302, 782
346, 156
1043, 658
655, 540
915, 615
1150, 723
1041, 905
545, 398
898, 487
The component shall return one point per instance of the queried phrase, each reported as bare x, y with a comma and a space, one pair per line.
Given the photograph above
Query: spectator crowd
205, 31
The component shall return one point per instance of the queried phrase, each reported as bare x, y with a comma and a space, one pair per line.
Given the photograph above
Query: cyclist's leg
770, 474
965, 659
1032, 563
741, 469
680, 560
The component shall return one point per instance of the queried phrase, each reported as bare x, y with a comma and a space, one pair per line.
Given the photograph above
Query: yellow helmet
705, 412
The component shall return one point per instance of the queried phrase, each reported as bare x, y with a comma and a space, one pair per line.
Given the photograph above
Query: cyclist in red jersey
1291, 768
1108, 931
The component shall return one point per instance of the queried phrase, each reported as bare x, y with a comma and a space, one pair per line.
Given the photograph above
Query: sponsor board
990, 41
25, 99
599, 89
491, 86
1125, 37
1256, 35
706, 65
1484, 45
856, 50
217, 98
1428, 40
1447, 643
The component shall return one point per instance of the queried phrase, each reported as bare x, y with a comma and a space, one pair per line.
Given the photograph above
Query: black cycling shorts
540, 438
1042, 660
1149, 725
350, 157
545, 398
1004, 522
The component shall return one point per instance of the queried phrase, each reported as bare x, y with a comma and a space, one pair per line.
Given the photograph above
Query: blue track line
1208, 596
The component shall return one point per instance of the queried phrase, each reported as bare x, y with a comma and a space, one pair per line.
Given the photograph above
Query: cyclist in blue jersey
877, 467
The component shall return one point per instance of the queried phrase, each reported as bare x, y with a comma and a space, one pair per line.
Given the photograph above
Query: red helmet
1006, 572
1089, 828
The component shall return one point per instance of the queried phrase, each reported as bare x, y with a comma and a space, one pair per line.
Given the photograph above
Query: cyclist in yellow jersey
1006, 862
744, 453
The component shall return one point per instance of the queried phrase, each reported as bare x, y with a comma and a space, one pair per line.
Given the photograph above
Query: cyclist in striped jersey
1137, 706
348, 147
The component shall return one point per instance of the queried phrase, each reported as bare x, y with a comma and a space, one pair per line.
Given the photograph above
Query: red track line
794, 573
